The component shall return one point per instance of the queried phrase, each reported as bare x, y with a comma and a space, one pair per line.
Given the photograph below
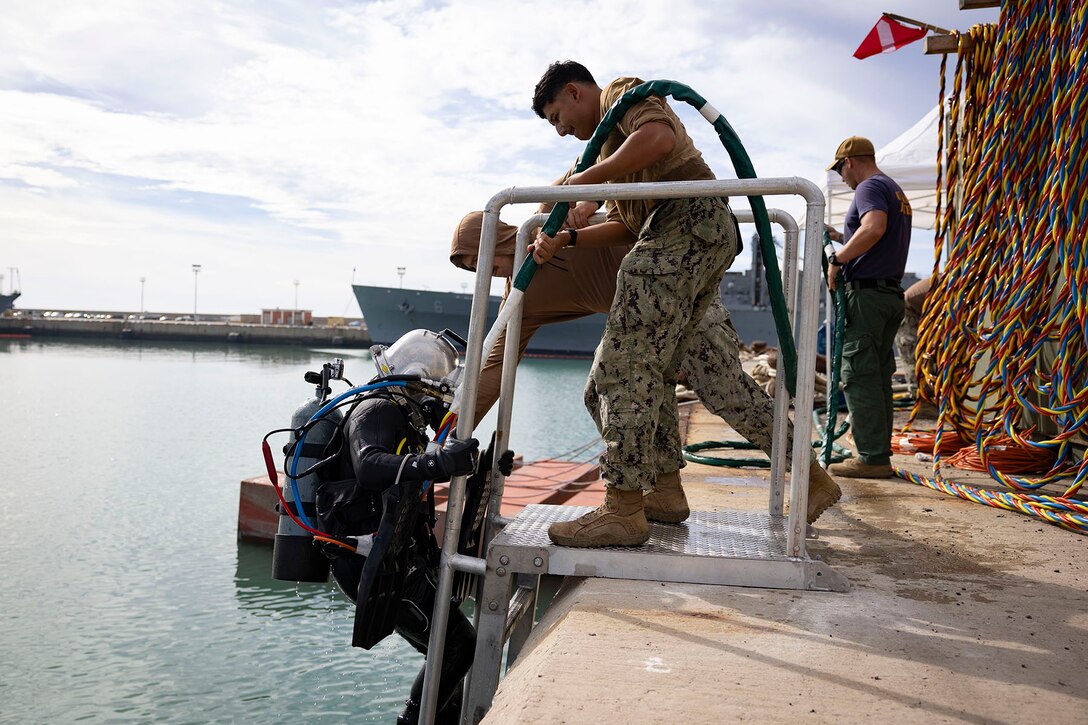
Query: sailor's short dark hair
559, 74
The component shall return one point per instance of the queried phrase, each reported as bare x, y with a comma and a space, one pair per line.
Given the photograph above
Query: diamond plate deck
740, 548
732, 534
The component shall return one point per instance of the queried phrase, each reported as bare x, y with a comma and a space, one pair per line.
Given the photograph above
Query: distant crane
13, 285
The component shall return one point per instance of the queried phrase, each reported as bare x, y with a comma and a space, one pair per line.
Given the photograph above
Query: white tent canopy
911, 160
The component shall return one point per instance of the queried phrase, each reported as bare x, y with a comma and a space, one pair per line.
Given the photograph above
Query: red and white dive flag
886, 36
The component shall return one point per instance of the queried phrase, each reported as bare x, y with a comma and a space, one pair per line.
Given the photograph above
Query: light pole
196, 271
294, 312
401, 271
142, 280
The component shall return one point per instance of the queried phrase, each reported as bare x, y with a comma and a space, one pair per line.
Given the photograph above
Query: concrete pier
187, 331
958, 613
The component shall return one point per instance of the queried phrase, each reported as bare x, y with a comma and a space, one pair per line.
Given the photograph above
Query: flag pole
918, 23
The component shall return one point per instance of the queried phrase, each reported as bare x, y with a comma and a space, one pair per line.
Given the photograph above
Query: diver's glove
506, 463
455, 458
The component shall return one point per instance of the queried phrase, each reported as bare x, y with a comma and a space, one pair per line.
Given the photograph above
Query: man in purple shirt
870, 265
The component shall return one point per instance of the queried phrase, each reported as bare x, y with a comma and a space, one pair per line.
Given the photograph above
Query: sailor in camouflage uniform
580, 281
665, 286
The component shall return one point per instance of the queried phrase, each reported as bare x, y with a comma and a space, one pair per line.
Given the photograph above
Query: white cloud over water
275, 141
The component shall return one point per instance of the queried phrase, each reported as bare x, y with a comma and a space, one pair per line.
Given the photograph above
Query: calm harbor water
126, 597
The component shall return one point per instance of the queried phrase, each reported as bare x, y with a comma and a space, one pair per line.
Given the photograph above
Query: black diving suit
350, 503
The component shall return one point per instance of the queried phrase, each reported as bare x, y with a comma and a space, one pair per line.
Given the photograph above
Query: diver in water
379, 483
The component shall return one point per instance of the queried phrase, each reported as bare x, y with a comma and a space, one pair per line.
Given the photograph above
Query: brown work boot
619, 521
823, 492
666, 503
853, 468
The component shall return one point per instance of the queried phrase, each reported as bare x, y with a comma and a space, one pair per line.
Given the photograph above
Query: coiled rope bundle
1001, 349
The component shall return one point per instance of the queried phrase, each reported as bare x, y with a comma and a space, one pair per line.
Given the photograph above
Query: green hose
838, 298
691, 454
742, 164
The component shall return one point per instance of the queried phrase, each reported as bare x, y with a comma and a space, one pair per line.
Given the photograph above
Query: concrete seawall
957, 613
233, 332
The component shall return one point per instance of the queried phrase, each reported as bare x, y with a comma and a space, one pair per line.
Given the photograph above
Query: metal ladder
740, 548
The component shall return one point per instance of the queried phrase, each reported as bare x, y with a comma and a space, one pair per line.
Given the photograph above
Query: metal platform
736, 548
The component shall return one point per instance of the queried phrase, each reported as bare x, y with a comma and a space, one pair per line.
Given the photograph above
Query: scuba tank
294, 556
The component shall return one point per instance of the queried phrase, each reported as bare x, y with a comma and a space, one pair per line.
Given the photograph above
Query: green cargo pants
868, 362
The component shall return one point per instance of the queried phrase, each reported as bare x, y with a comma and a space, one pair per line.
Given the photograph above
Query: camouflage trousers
713, 368
664, 287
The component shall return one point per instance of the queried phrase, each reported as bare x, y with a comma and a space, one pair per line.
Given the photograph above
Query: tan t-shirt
684, 163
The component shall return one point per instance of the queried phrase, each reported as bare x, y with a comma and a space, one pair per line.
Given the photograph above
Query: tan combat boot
854, 468
666, 503
619, 521
823, 492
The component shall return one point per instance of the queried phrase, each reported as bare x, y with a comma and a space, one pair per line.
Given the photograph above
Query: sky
292, 148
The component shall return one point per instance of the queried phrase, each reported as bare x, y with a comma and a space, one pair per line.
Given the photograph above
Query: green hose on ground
691, 454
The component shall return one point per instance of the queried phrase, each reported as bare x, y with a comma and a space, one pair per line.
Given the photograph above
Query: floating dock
549, 481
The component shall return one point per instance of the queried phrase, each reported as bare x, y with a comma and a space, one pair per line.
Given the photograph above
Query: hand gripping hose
742, 164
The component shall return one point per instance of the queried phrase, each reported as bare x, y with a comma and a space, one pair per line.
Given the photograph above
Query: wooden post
942, 44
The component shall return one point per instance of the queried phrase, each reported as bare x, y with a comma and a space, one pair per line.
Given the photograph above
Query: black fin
382, 582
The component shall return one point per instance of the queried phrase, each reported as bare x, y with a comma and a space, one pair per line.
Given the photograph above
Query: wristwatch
573, 236
833, 260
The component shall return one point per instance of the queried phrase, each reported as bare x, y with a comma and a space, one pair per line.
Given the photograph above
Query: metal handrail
475, 355
506, 391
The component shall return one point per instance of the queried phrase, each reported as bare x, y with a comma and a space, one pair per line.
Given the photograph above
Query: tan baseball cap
853, 146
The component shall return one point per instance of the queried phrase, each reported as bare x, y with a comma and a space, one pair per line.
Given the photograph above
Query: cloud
291, 139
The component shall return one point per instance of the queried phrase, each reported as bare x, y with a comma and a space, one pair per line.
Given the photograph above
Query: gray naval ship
7, 301
389, 312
